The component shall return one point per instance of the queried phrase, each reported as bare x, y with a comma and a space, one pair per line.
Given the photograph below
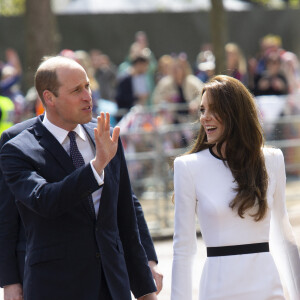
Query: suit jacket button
97, 255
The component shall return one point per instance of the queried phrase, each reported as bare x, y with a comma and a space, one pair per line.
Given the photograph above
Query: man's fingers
107, 121
103, 122
100, 124
115, 134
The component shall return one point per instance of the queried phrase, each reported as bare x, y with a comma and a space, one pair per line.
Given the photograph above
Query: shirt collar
59, 133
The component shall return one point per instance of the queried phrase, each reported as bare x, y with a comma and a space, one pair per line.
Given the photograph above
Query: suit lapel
50, 143
89, 128
90, 132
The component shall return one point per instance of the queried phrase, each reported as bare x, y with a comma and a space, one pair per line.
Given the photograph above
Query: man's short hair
46, 79
46, 76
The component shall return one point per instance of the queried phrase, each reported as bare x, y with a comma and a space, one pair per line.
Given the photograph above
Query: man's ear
48, 97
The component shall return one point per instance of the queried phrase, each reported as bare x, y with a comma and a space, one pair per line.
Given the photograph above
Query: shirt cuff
99, 178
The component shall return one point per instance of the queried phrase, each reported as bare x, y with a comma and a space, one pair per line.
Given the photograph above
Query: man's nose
87, 95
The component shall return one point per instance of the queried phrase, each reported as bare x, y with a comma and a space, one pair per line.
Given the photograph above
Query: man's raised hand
106, 145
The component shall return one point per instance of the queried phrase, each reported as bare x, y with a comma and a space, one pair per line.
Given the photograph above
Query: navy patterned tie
78, 162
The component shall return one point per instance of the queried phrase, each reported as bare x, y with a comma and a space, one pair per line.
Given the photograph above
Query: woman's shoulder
270, 152
192, 157
273, 157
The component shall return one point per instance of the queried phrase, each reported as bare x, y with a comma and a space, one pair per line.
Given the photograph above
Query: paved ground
164, 248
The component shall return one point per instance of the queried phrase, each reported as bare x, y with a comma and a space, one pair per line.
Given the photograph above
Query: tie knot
72, 135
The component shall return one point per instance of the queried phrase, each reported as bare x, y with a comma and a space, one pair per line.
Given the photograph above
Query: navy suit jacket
66, 247
12, 233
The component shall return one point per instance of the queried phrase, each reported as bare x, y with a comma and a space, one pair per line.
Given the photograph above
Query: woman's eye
201, 111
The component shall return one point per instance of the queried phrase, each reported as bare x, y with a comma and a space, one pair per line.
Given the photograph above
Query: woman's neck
223, 148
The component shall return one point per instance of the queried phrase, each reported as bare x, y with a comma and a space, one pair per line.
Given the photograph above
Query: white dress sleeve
185, 240
282, 240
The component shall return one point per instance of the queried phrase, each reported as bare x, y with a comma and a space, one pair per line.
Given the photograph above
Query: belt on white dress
237, 249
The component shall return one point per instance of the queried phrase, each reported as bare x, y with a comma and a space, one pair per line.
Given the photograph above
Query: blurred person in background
181, 86
257, 65
7, 113
141, 39
34, 103
290, 66
140, 45
251, 70
272, 80
132, 88
269, 43
105, 74
205, 65
291, 69
180, 89
164, 67
236, 65
11, 74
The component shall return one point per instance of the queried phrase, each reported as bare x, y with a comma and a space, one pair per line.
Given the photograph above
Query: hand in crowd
278, 84
264, 84
12, 58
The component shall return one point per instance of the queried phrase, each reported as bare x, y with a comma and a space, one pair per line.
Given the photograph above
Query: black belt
237, 249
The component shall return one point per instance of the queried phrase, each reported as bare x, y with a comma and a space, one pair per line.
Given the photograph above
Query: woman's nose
207, 115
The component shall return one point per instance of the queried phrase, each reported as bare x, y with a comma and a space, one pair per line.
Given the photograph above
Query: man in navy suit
73, 252
13, 239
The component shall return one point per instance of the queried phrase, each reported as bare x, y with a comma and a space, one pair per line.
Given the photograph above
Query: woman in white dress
237, 190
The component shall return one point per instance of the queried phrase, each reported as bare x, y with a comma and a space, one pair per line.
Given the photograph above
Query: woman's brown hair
235, 107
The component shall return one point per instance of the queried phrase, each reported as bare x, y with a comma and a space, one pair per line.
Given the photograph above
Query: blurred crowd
146, 81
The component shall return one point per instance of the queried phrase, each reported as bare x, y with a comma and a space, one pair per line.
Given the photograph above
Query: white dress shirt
85, 147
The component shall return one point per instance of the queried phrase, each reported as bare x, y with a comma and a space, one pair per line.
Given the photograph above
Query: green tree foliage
294, 3
270, 3
263, 2
12, 7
